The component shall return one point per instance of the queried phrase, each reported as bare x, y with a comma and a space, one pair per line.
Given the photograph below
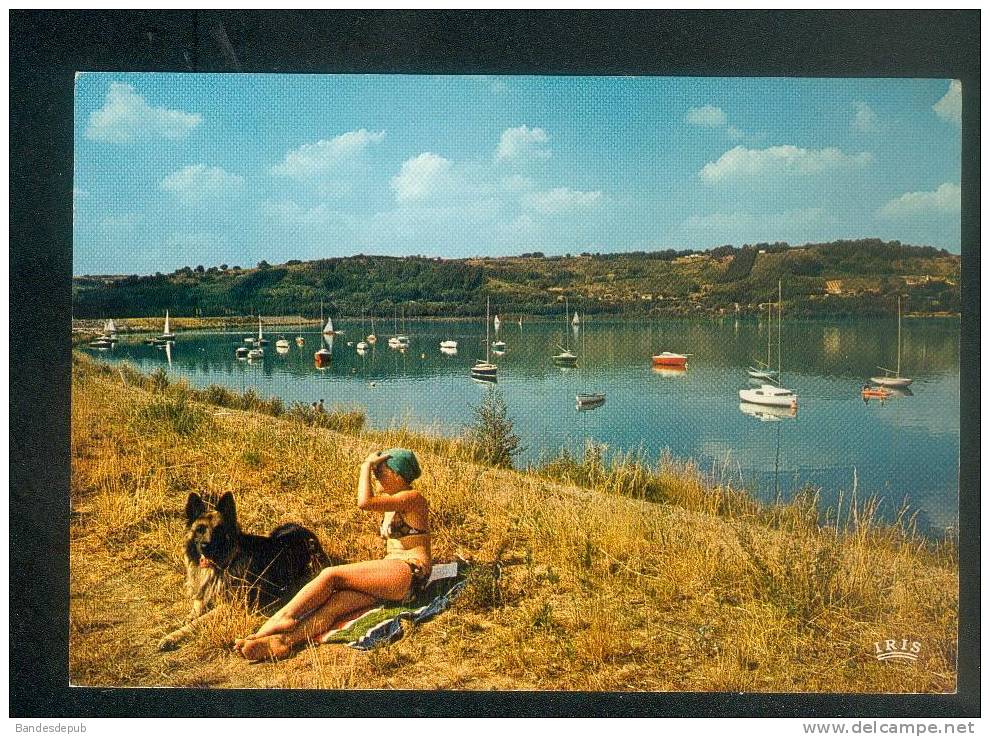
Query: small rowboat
875, 392
241, 352
670, 359
590, 400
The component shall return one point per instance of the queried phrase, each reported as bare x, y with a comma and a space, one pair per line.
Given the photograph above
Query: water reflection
906, 446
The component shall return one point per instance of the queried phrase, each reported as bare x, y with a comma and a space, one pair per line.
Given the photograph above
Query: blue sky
174, 170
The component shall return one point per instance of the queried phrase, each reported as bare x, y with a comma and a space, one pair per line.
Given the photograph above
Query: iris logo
897, 650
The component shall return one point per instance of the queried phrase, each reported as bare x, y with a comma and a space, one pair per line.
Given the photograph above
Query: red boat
670, 359
322, 357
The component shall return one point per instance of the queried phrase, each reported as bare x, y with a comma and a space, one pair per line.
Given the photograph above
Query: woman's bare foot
276, 626
269, 647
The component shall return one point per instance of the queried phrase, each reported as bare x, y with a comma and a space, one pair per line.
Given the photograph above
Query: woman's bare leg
379, 579
312, 627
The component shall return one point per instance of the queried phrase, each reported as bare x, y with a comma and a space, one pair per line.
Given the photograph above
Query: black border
47, 47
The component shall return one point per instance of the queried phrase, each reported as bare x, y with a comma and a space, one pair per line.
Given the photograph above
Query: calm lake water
904, 448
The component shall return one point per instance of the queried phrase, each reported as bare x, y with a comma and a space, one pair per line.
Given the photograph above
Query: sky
176, 170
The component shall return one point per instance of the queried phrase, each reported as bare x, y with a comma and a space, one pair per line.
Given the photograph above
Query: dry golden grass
621, 577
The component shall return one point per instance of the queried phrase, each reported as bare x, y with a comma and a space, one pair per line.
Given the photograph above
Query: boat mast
898, 336
780, 300
488, 307
769, 331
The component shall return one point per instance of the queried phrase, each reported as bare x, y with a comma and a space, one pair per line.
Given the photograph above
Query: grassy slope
599, 590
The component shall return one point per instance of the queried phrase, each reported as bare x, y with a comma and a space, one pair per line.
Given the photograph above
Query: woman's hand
375, 459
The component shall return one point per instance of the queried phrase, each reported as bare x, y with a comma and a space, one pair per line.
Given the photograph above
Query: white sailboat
167, 334
261, 338
110, 331
763, 371
575, 320
893, 378
772, 395
566, 358
498, 323
485, 370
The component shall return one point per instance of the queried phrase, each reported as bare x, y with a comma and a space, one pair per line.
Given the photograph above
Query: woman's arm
366, 486
367, 500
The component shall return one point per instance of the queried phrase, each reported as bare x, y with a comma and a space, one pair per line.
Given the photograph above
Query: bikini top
394, 526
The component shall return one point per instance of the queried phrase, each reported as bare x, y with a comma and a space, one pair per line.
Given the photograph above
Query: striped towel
383, 624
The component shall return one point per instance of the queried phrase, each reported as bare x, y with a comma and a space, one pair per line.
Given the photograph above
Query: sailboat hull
895, 381
669, 359
769, 397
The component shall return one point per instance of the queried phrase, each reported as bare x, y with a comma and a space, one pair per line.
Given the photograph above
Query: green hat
404, 462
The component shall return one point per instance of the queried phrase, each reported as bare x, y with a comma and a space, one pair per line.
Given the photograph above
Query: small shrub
175, 414
492, 435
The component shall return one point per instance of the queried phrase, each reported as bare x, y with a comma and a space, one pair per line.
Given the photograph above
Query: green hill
842, 277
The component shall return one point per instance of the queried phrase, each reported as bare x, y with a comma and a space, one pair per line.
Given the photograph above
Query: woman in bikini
341, 590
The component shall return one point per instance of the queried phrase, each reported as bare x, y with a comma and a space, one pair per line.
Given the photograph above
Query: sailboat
669, 359
261, 338
372, 338
896, 380
167, 334
325, 353
497, 323
485, 370
566, 358
402, 337
575, 320
362, 345
772, 395
110, 331
764, 371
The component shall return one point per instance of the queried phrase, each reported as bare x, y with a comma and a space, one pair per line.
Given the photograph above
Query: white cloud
517, 183
422, 177
126, 117
559, 199
950, 106
294, 215
707, 116
326, 156
522, 143
864, 118
198, 183
741, 162
943, 201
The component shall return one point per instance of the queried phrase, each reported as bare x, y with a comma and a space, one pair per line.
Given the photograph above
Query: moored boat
588, 400
770, 395
485, 370
670, 359
893, 378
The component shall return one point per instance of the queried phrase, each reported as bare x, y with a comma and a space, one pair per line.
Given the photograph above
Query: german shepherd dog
222, 559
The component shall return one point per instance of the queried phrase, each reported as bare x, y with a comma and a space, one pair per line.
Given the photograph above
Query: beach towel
383, 624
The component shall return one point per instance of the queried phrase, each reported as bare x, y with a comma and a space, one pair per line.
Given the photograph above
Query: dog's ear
195, 506
227, 509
